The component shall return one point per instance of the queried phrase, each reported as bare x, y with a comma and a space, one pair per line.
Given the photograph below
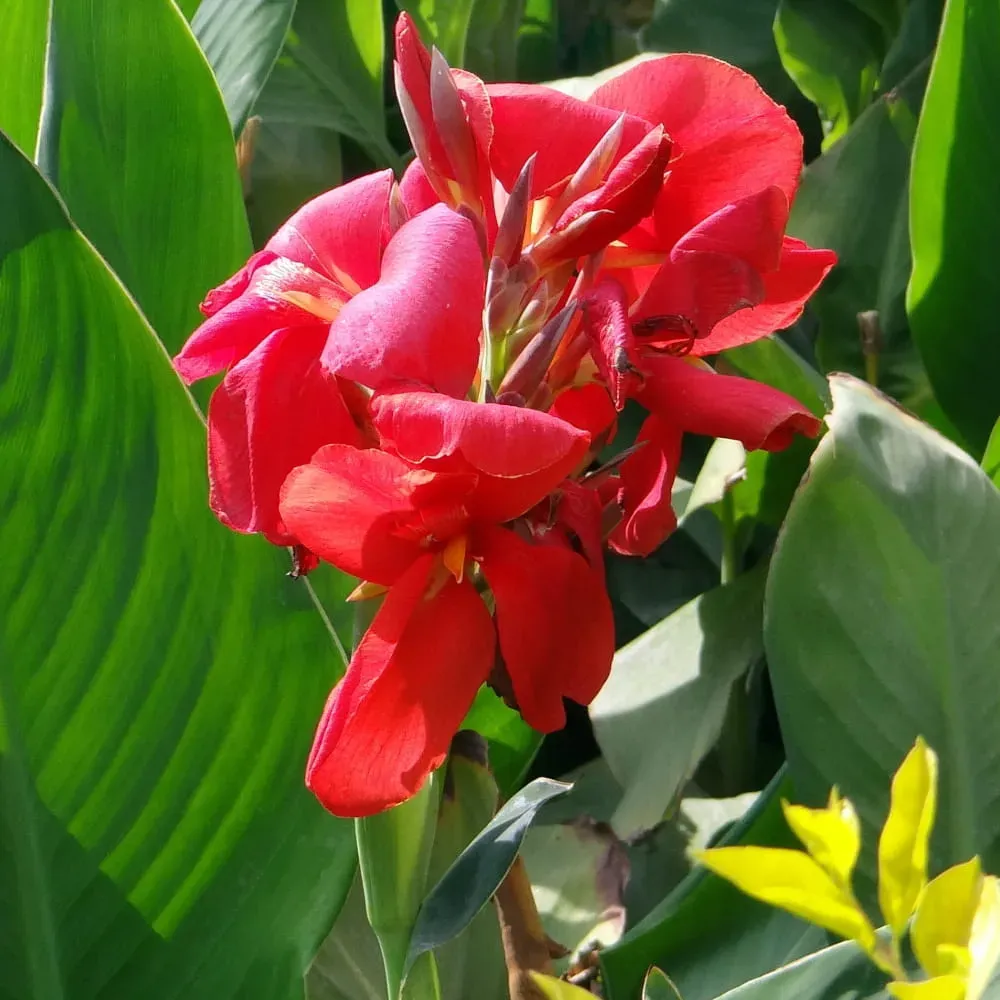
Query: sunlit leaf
943, 922
831, 835
904, 842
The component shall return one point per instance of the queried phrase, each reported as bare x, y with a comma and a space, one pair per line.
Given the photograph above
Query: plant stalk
525, 943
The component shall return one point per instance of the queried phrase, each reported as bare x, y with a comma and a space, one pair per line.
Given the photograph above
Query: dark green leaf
741, 33
954, 219
160, 677
706, 935
833, 52
22, 55
491, 44
329, 74
879, 623
241, 39
470, 882
538, 41
853, 200
663, 706
135, 138
991, 457
443, 24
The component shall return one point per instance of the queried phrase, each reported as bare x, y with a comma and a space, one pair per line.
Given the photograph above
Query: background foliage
160, 678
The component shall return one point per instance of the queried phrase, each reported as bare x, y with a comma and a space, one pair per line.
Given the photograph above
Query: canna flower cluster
420, 377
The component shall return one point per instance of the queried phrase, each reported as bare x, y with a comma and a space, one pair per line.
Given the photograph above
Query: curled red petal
232, 332
560, 130
340, 232
271, 413
366, 511
647, 480
606, 323
731, 139
693, 398
554, 622
410, 683
235, 286
800, 272
624, 199
519, 455
420, 322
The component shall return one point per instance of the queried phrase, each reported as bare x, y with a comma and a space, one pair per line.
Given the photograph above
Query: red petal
647, 480
343, 231
730, 138
751, 229
579, 510
554, 621
236, 329
420, 323
411, 681
364, 510
559, 129
271, 412
786, 290
521, 455
416, 191
221, 296
700, 401
588, 407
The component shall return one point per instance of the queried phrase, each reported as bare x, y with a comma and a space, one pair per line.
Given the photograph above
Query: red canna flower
439, 523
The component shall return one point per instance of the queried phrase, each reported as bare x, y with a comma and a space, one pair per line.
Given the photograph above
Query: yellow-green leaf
557, 989
938, 988
984, 941
831, 835
943, 924
903, 845
793, 881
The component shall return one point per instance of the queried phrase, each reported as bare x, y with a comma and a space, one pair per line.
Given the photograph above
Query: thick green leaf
765, 491
22, 55
329, 74
512, 742
706, 935
954, 219
880, 624
657, 986
160, 677
853, 200
473, 878
443, 24
241, 39
663, 706
833, 52
840, 972
991, 457
538, 40
135, 138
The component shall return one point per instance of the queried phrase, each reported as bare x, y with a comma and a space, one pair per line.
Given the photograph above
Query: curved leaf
160, 678
242, 39
954, 220
22, 55
879, 623
134, 136
466, 887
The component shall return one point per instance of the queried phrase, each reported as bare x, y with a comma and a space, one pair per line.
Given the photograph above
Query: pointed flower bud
528, 370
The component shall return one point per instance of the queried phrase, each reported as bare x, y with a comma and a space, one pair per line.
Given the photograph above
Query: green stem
730, 567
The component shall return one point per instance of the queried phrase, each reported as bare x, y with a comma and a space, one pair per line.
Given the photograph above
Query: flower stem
525, 944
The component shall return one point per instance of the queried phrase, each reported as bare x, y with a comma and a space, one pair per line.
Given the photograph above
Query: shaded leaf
443, 24
662, 708
473, 878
